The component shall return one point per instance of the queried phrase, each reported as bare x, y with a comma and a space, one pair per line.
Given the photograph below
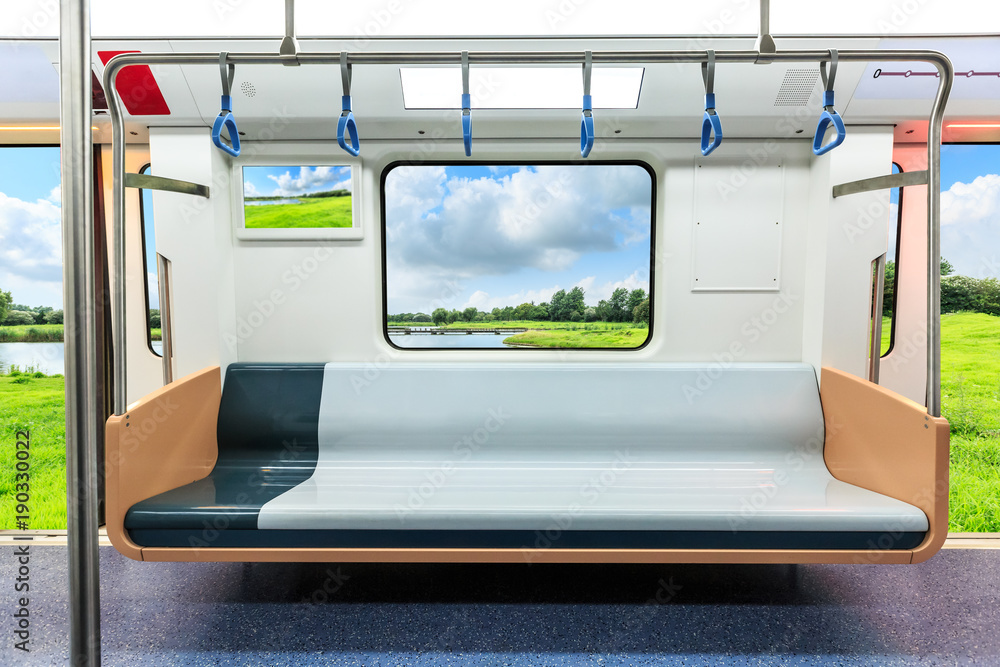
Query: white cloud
30, 239
970, 231
978, 201
545, 218
444, 231
639, 279
55, 195
153, 287
311, 179
250, 190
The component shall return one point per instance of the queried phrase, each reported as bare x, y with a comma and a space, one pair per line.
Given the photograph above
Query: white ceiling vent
248, 89
796, 88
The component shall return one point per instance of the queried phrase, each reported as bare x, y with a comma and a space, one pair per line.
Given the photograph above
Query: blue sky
30, 231
291, 181
604, 255
463, 236
970, 209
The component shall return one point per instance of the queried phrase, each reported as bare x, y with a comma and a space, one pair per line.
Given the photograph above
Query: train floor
942, 612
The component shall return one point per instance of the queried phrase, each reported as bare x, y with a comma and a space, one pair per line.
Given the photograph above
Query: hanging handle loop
829, 115
466, 106
225, 119
587, 117
347, 128
710, 122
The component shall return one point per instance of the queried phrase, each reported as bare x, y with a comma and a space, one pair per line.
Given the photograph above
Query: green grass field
558, 334
35, 405
970, 400
630, 337
310, 213
40, 333
32, 333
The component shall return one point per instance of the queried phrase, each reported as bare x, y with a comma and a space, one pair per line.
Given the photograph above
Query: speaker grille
796, 88
248, 89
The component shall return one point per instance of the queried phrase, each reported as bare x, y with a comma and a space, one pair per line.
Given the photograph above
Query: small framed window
891, 266
537, 255
154, 339
295, 202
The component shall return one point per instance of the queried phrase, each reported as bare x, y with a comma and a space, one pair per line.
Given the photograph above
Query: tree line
958, 293
622, 306
14, 314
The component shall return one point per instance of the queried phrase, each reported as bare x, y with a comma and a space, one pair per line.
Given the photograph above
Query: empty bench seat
522, 456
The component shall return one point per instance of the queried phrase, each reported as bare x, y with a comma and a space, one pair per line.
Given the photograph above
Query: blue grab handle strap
829, 115
466, 106
587, 116
225, 119
587, 127
347, 128
467, 123
710, 123
827, 118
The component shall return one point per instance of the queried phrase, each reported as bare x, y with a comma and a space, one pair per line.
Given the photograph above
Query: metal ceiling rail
935, 58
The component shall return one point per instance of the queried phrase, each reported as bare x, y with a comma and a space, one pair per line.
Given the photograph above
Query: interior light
991, 125
520, 87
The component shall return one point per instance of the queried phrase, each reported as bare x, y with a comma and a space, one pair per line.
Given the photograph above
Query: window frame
527, 162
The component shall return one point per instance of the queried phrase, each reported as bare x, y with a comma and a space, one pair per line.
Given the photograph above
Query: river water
48, 358
449, 340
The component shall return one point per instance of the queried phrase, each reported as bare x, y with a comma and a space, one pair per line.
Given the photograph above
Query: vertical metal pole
764, 44
120, 363
933, 397
289, 45
79, 294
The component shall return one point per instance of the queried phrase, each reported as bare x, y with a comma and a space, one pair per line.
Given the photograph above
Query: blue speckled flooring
943, 612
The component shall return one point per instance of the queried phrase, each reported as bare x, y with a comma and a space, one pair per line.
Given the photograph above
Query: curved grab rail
346, 127
587, 116
710, 122
225, 119
466, 106
829, 115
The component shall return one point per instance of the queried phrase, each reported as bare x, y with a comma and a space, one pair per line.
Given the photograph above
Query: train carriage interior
426, 332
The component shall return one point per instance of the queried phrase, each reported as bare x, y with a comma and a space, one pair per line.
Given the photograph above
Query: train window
518, 255
151, 269
283, 202
891, 262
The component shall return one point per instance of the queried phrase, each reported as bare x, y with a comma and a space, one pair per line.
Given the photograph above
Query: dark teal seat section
268, 443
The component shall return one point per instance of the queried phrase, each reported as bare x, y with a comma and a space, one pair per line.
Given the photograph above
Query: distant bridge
433, 331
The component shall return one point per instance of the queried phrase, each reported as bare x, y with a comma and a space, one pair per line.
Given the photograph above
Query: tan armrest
883, 442
164, 441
